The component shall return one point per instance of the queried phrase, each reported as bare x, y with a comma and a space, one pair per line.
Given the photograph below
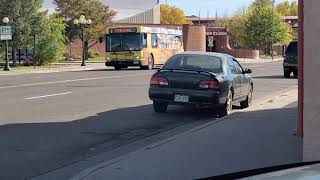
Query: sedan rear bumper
201, 98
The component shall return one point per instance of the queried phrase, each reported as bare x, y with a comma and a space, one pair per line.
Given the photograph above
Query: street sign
5, 33
5, 37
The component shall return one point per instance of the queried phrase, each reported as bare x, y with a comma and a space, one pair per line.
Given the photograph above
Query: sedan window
195, 62
238, 66
232, 66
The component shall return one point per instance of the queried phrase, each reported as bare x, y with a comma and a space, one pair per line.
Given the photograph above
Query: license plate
181, 98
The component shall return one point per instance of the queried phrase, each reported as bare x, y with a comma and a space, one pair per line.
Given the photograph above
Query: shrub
93, 54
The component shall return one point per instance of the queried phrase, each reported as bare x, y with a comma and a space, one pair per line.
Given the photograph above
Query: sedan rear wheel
227, 108
160, 107
117, 67
295, 73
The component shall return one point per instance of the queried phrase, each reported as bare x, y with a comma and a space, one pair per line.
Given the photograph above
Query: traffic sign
5, 37
210, 41
5, 33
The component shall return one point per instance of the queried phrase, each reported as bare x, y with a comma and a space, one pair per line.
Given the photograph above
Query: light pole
83, 24
34, 49
6, 20
272, 40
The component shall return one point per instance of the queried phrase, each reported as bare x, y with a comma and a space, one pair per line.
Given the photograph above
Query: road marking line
72, 80
48, 95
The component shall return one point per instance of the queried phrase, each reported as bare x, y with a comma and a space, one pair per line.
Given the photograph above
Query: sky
192, 7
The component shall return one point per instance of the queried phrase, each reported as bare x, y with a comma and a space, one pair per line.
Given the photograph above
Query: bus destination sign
123, 30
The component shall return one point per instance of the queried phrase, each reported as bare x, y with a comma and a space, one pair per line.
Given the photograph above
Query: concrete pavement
50, 123
223, 146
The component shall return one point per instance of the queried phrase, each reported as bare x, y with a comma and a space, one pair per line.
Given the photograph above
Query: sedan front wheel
247, 103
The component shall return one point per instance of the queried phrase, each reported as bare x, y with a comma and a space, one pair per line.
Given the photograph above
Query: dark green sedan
200, 79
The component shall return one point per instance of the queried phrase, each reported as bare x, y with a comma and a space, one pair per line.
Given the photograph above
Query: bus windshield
124, 42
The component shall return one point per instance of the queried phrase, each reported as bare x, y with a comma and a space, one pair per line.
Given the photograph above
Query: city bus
144, 47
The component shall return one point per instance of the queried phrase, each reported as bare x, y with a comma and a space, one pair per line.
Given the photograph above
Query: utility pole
199, 16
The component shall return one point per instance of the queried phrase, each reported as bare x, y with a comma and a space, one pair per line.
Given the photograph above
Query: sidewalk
257, 137
63, 67
245, 60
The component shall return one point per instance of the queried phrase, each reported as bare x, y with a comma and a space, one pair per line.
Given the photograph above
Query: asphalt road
51, 121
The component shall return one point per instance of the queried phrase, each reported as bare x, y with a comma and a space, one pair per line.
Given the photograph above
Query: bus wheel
150, 62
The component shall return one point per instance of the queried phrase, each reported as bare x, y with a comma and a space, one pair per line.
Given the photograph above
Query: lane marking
42, 77
71, 80
48, 95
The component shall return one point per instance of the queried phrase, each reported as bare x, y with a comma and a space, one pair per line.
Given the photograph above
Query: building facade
151, 16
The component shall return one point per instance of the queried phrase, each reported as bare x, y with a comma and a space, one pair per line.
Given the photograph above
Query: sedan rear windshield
195, 62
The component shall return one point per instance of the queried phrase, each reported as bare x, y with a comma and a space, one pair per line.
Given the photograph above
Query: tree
172, 15
100, 14
235, 25
23, 17
288, 9
263, 26
51, 40
262, 3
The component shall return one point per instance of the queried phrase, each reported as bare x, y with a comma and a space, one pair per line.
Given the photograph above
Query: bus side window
154, 40
144, 40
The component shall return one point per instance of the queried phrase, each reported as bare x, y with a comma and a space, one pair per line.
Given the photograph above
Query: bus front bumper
125, 63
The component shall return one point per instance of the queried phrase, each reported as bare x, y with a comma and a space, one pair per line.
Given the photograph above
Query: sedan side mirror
248, 71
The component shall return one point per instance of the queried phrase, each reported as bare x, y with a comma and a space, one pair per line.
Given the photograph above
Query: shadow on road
31, 150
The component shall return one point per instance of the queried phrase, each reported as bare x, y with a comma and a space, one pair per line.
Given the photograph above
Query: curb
260, 61
45, 71
83, 174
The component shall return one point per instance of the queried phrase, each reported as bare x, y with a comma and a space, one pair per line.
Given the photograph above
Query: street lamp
83, 23
6, 20
272, 38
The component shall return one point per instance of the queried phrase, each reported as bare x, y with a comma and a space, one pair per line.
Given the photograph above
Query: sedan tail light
211, 84
159, 81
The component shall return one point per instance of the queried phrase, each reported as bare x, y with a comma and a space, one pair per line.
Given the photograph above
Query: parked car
290, 64
201, 79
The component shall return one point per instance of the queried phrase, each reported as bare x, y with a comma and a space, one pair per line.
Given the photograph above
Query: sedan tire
247, 103
160, 107
227, 108
286, 74
117, 67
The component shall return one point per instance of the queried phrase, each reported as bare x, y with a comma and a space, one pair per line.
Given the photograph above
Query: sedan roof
221, 55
